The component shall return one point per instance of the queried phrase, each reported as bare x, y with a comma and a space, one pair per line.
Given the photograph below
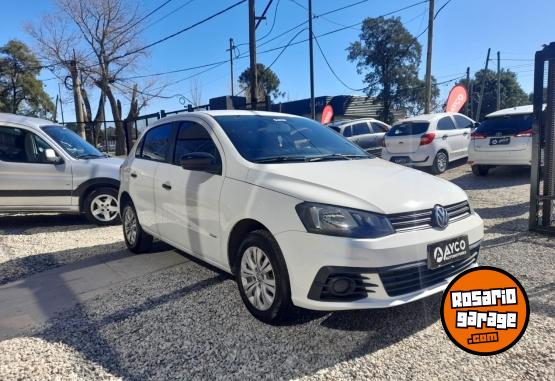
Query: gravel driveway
188, 322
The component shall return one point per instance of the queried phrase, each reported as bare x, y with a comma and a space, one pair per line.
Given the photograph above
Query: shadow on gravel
500, 177
188, 322
505, 211
20, 224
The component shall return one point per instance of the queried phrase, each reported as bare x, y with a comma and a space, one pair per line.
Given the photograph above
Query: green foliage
389, 57
268, 82
20, 91
511, 93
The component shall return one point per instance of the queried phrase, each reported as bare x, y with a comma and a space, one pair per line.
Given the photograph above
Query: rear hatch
503, 133
404, 137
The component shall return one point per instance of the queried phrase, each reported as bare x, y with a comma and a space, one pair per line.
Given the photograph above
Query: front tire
262, 278
480, 170
136, 239
441, 161
101, 207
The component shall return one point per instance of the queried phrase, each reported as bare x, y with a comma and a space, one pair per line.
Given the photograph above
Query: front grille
403, 279
422, 219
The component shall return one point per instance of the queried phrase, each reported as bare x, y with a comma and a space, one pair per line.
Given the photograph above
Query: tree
195, 92
511, 93
268, 82
105, 35
20, 90
389, 57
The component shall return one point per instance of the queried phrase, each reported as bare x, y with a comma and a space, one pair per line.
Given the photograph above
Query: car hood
96, 168
369, 184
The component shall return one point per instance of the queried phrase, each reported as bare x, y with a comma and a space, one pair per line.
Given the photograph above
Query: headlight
344, 222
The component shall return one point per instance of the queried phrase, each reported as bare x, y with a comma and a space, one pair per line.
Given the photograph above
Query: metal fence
542, 191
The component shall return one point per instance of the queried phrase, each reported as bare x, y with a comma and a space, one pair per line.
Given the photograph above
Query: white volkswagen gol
503, 138
429, 140
300, 215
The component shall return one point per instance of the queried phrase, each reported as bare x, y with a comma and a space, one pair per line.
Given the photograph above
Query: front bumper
307, 254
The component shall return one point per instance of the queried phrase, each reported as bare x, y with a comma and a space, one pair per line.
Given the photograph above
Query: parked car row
435, 140
295, 211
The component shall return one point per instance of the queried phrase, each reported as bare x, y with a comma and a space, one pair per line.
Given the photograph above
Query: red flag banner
327, 114
457, 98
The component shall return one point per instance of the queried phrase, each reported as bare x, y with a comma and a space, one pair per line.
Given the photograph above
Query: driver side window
193, 137
21, 146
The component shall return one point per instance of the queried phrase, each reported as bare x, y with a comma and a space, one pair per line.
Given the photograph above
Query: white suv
503, 138
297, 213
430, 140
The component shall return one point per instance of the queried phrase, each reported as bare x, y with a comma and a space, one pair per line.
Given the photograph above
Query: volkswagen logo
440, 217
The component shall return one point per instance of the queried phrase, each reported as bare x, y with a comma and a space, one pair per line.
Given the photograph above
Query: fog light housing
341, 285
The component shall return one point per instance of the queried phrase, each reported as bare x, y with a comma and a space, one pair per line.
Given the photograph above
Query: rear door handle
444, 137
465, 133
134, 175
167, 186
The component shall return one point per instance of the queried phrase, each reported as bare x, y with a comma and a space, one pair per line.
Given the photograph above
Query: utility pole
469, 93
498, 80
470, 100
76, 81
231, 48
61, 104
479, 109
252, 51
428, 101
311, 54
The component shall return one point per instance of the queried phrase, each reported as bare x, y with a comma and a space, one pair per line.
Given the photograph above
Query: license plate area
448, 251
400, 160
500, 141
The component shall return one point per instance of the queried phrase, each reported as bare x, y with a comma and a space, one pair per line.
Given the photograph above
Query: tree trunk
120, 134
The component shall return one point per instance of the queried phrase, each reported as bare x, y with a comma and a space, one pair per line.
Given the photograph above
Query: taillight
477, 136
524, 134
427, 138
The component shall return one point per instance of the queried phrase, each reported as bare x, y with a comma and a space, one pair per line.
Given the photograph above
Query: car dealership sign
327, 114
457, 98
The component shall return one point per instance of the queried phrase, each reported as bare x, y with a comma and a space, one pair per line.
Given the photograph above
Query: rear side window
506, 125
463, 122
360, 129
347, 132
446, 123
378, 128
157, 142
193, 137
408, 128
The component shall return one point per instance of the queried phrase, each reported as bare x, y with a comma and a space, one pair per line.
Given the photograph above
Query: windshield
72, 143
281, 138
408, 128
510, 125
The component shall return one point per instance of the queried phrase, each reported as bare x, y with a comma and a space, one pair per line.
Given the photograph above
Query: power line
176, 71
285, 47
273, 23
171, 13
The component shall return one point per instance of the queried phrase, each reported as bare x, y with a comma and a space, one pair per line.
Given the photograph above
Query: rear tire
136, 239
480, 170
262, 278
101, 207
441, 162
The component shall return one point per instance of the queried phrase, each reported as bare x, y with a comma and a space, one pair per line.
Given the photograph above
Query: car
46, 167
503, 138
429, 140
301, 216
368, 133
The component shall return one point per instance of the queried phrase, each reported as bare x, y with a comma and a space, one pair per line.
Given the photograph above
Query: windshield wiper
336, 156
281, 159
90, 156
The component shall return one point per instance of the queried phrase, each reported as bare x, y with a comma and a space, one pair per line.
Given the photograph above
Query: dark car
368, 133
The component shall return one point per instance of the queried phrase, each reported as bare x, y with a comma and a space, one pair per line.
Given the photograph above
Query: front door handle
134, 175
465, 133
167, 186
444, 137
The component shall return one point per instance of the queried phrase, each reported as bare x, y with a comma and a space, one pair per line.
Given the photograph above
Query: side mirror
51, 157
200, 161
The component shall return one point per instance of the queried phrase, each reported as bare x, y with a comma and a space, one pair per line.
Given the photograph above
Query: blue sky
464, 30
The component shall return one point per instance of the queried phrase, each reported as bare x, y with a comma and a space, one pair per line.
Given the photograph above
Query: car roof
28, 121
428, 117
519, 110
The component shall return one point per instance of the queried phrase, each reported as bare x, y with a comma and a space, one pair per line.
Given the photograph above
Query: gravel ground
188, 322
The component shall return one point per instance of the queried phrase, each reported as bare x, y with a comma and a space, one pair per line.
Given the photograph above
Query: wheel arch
85, 188
237, 234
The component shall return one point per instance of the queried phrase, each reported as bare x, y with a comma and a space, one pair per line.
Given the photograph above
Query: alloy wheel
258, 278
130, 225
442, 162
104, 208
